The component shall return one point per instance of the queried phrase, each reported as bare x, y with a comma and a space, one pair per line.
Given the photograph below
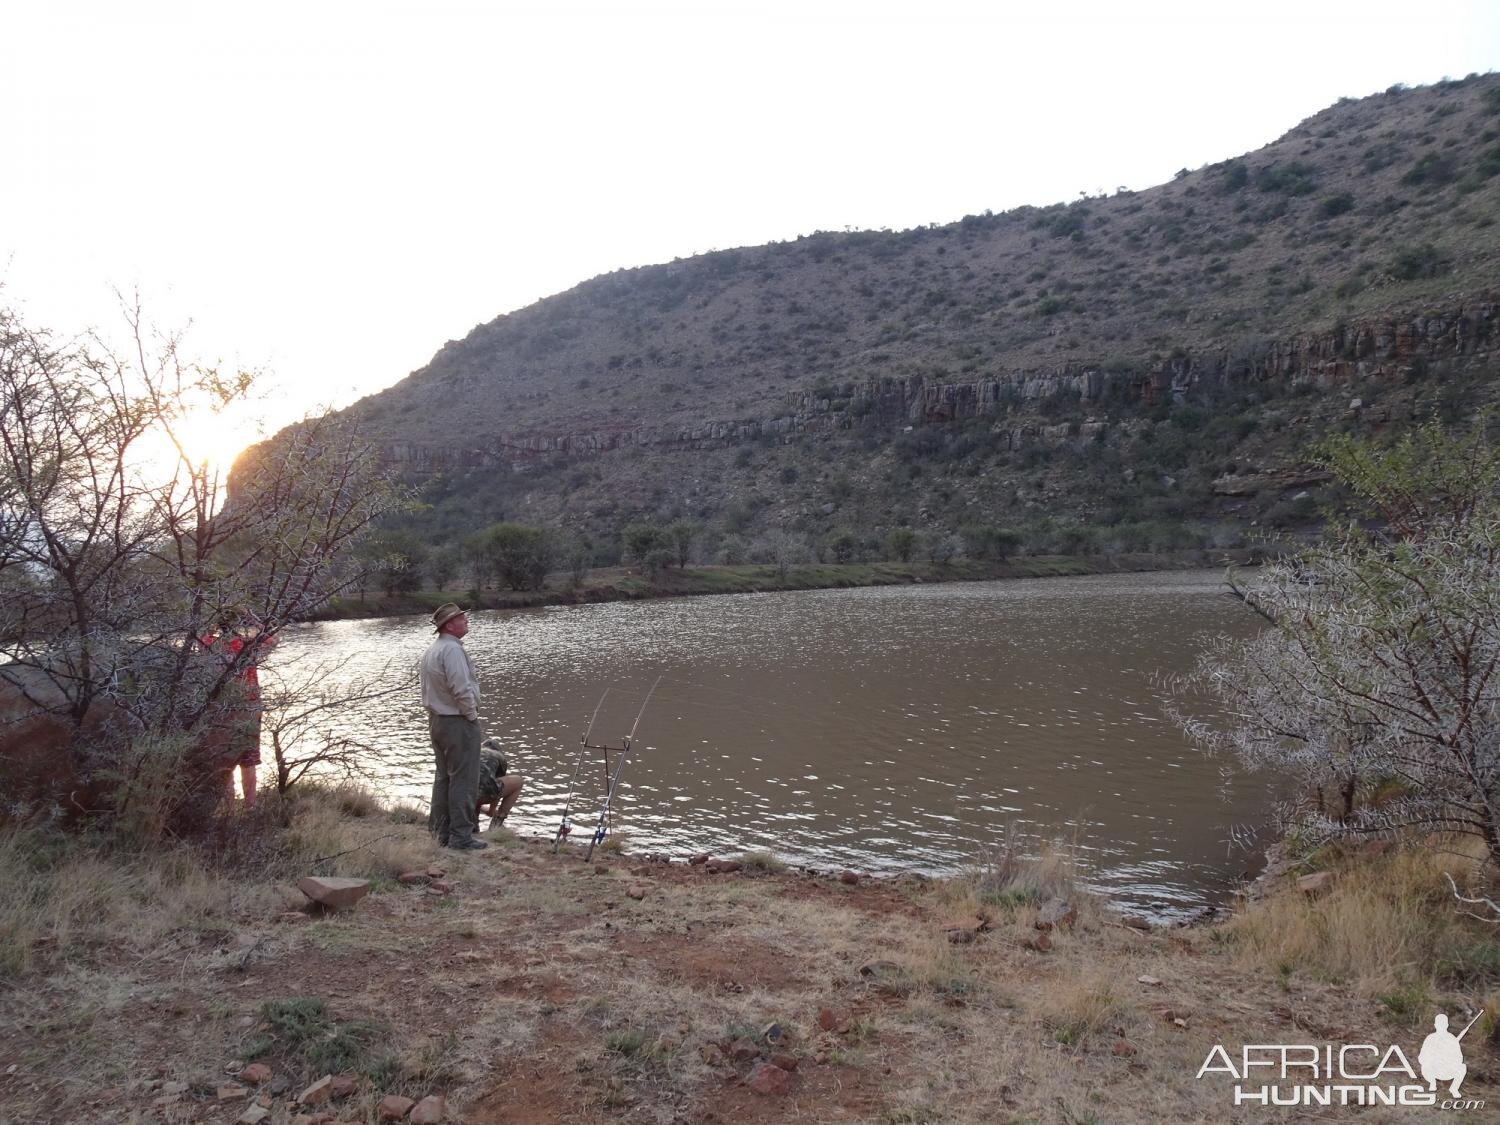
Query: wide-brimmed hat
444, 614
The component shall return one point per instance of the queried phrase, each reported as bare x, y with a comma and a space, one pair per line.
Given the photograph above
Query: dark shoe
470, 845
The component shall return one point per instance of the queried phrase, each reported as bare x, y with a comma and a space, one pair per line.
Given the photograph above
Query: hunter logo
1310, 1074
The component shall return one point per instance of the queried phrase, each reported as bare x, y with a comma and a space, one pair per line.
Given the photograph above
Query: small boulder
1057, 912
784, 1061
1039, 944
429, 1111
1318, 883
1122, 1048
601, 869
256, 1074
393, 1107
414, 878
743, 1050
318, 1093
711, 1054
253, 1115
344, 1085
635, 891
827, 1020
768, 1080
1148, 981
1135, 922
848, 878
699, 860
441, 886
333, 893
729, 866
436, 872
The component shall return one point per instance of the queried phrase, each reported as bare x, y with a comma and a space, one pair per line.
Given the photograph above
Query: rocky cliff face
1460, 334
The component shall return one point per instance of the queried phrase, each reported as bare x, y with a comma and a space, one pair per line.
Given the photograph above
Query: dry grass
609, 1000
763, 860
65, 894
321, 834
1388, 923
1078, 1006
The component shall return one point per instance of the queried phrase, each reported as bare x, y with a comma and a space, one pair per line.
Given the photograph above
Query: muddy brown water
883, 729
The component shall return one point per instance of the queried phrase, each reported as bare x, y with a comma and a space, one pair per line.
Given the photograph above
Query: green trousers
455, 782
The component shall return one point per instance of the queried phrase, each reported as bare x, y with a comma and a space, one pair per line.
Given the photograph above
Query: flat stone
436, 872
743, 1050
393, 1107
318, 1093
699, 860
827, 1020
1319, 882
1136, 923
441, 886
414, 878
334, 893
253, 1115
429, 1111
785, 1061
729, 866
768, 1080
231, 1092
1057, 912
344, 1085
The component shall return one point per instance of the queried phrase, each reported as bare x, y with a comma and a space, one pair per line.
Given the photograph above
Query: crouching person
498, 789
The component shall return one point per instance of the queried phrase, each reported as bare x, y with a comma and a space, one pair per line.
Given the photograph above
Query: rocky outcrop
1462, 333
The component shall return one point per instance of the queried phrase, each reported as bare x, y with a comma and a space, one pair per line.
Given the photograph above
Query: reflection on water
900, 728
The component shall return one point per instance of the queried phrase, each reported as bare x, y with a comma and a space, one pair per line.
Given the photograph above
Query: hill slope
1103, 362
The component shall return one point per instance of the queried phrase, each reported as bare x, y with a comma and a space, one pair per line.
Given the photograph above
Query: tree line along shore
629, 584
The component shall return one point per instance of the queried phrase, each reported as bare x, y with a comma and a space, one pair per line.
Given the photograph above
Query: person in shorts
498, 788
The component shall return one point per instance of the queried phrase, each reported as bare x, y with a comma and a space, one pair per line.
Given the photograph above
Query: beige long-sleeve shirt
448, 683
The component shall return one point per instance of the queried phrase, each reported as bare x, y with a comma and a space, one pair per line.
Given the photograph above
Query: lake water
883, 729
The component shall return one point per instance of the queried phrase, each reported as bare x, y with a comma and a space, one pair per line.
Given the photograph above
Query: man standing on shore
450, 694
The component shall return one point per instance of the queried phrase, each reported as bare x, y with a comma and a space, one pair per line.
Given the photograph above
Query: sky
328, 191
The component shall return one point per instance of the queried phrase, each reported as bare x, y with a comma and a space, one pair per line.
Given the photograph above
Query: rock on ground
393, 1107
334, 893
429, 1111
768, 1079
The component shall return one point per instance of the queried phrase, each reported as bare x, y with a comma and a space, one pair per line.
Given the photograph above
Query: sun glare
202, 439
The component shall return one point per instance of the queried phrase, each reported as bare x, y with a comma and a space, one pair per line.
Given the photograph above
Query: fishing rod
1471, 1023
583, 745
624, 751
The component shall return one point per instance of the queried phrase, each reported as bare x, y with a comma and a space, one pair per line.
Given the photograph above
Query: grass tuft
763, 860
1388, 926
